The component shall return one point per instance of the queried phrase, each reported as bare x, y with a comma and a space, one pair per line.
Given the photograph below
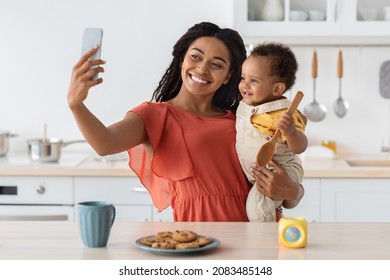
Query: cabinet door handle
140, 189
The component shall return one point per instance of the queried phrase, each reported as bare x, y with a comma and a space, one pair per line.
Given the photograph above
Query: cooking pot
48, 150
4, 144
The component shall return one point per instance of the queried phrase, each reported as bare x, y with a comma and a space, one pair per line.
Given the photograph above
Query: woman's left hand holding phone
81, 80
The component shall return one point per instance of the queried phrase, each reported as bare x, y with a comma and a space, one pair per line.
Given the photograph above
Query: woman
182, 146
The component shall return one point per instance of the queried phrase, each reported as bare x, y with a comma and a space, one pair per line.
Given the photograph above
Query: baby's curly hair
283, 61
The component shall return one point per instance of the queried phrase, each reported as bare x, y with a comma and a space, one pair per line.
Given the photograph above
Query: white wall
40, 42
367, 122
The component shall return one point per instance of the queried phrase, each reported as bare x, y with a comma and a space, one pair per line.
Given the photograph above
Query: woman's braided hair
227, 96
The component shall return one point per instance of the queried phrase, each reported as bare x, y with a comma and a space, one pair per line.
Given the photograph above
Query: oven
35, 198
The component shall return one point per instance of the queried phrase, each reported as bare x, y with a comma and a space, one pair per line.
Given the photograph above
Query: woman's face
205, 66
257, 86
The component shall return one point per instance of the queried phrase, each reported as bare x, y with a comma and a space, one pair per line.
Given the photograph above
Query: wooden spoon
44, 133
266, 151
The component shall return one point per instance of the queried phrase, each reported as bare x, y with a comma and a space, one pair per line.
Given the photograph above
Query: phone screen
91, 38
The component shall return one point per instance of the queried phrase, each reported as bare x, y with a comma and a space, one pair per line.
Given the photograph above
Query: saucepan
47, 149
4, 142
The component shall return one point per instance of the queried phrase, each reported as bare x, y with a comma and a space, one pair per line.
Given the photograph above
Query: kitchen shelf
343, 23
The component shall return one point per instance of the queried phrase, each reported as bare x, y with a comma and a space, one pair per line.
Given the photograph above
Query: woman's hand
277, 185
81, 80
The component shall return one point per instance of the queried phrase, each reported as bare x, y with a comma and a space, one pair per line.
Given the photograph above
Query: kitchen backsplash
40, 44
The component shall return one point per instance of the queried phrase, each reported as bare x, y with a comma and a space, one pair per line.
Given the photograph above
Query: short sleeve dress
194, 165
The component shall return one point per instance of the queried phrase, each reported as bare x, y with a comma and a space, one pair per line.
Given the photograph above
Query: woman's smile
198, 80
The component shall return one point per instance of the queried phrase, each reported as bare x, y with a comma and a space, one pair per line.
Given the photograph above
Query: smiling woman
182, 146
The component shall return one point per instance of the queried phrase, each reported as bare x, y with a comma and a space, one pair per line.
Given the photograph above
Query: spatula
266, 151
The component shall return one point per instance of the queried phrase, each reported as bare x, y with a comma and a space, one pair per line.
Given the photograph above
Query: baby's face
257, 86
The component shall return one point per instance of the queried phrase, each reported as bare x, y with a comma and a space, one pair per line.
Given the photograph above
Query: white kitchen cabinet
131, 199
374, 22
164, 216
355, 200
309, 207
343, 21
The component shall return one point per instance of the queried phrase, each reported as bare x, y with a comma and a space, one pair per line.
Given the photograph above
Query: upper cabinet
320, 21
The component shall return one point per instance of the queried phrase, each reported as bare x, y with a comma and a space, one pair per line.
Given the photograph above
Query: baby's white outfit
249, 140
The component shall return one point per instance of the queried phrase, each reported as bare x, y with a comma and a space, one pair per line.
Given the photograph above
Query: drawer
127, 190
36, 190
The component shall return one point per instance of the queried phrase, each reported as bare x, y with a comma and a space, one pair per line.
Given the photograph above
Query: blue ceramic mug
95, 220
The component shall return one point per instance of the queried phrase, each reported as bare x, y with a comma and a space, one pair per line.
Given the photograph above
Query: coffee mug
95, 220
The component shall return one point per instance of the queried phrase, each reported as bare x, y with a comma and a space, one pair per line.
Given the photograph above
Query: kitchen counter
83, 164
328, 241
339, 168
70, 164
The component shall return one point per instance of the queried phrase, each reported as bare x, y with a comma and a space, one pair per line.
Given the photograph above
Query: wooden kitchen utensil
314, 111
266, 151
44, 133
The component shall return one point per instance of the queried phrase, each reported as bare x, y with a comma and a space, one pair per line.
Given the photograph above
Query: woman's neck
198, 106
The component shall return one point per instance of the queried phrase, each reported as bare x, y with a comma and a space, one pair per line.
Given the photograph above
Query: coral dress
193, 166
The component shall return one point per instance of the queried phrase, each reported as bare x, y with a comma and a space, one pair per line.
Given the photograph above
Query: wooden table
244, 241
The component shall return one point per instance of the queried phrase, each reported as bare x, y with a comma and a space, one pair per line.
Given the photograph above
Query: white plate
207, 247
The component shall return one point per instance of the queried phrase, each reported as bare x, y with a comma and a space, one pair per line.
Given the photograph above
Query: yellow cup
292, 232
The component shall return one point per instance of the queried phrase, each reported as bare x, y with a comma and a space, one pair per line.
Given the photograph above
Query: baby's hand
286, 124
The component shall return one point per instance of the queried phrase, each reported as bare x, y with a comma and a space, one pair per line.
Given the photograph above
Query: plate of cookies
177, 242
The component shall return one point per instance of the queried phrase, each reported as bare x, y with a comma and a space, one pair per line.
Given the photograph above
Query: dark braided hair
227, 96
283, 62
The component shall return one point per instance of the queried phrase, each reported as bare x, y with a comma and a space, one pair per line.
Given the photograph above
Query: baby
267, 74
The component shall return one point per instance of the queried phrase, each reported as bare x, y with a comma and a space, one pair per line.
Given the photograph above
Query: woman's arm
116, 138
277, 185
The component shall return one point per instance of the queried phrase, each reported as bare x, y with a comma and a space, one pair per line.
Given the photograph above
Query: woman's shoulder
148, 106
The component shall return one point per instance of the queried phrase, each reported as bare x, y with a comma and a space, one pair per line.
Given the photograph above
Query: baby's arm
296, 141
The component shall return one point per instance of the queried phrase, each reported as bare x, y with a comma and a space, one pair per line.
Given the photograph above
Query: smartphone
91, 38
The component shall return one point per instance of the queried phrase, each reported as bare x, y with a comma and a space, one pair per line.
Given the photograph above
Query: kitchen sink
369, 162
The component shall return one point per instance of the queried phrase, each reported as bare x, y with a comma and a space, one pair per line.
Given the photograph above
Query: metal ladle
340, 106
314, 111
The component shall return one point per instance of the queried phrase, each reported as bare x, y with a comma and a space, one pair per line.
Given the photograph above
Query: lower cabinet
131, 200
344, 200
355, 200
309, 207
